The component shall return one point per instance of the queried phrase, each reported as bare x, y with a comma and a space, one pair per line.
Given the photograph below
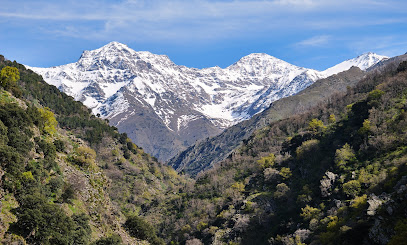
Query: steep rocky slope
335, 174
206, 153
165, 107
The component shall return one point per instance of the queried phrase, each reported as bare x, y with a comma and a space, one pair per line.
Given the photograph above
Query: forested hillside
205, 154
334, 175
67, 177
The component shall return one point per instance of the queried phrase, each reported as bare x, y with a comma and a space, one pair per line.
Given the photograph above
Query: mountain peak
115, 45
363, 61
262, 65
258, 56
187, 104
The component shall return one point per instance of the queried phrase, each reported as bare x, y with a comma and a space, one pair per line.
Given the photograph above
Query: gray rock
327, 183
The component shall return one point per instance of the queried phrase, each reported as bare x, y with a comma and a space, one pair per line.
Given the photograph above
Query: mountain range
325, 166
164, 107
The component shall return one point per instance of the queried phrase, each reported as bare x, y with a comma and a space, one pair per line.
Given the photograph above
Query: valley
325, 166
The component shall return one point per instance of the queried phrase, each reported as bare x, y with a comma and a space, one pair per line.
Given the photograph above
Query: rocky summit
165, 107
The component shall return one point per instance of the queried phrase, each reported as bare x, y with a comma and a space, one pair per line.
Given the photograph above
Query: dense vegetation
59, 163
333, 175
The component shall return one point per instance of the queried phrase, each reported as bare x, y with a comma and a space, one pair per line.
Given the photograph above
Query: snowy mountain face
165, 107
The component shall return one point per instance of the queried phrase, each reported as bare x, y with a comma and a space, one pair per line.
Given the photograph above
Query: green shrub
268, 161
351, 188
111, 240
316, 126
44, 223
344, 156
140, 229
9, 76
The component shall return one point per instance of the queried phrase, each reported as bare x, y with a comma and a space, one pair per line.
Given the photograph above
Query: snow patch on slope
103, 77
363, 61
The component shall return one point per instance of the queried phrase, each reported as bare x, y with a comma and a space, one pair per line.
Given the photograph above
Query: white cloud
315, 41
159, 20
385, 45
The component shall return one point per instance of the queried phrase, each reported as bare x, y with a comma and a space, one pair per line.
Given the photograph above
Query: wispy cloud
315, 41
390, 45
191, 20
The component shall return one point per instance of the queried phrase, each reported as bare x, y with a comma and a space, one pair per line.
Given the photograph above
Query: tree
281, 191
285, 173
3, 133
316, 126
332, 119
309, 212
268, 161
351, 188
344, 155
49, 121
111, 240
9, 76
140, 229
84, 157
366, 128
41, 222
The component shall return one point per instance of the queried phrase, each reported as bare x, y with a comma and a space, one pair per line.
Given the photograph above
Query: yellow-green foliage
344, 156
309, 212
6, 97
364, 176
316, 126
298, 241
268, 161
306, 148
238, 186
332, 119
186, 229
333, 230
50, 123
365, 129
115, 152
84, 156
202, 225
359, 202
9, 76
248, 207
375, 94
334, 223
8, 202
28, 175
285, 173
351, 188
3, 133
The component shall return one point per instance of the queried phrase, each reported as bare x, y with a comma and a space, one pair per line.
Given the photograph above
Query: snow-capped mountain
363, 61
165, 107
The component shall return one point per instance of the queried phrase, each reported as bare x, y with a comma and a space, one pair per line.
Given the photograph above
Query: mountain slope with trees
67, 177
165, 107
206, 153
333, 175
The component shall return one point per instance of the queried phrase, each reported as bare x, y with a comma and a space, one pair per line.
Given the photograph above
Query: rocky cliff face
206, 153
165, 107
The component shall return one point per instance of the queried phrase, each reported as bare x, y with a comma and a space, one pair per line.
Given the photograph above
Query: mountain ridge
186, 104
206, 153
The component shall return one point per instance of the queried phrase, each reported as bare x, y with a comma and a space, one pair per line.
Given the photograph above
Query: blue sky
202, 33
